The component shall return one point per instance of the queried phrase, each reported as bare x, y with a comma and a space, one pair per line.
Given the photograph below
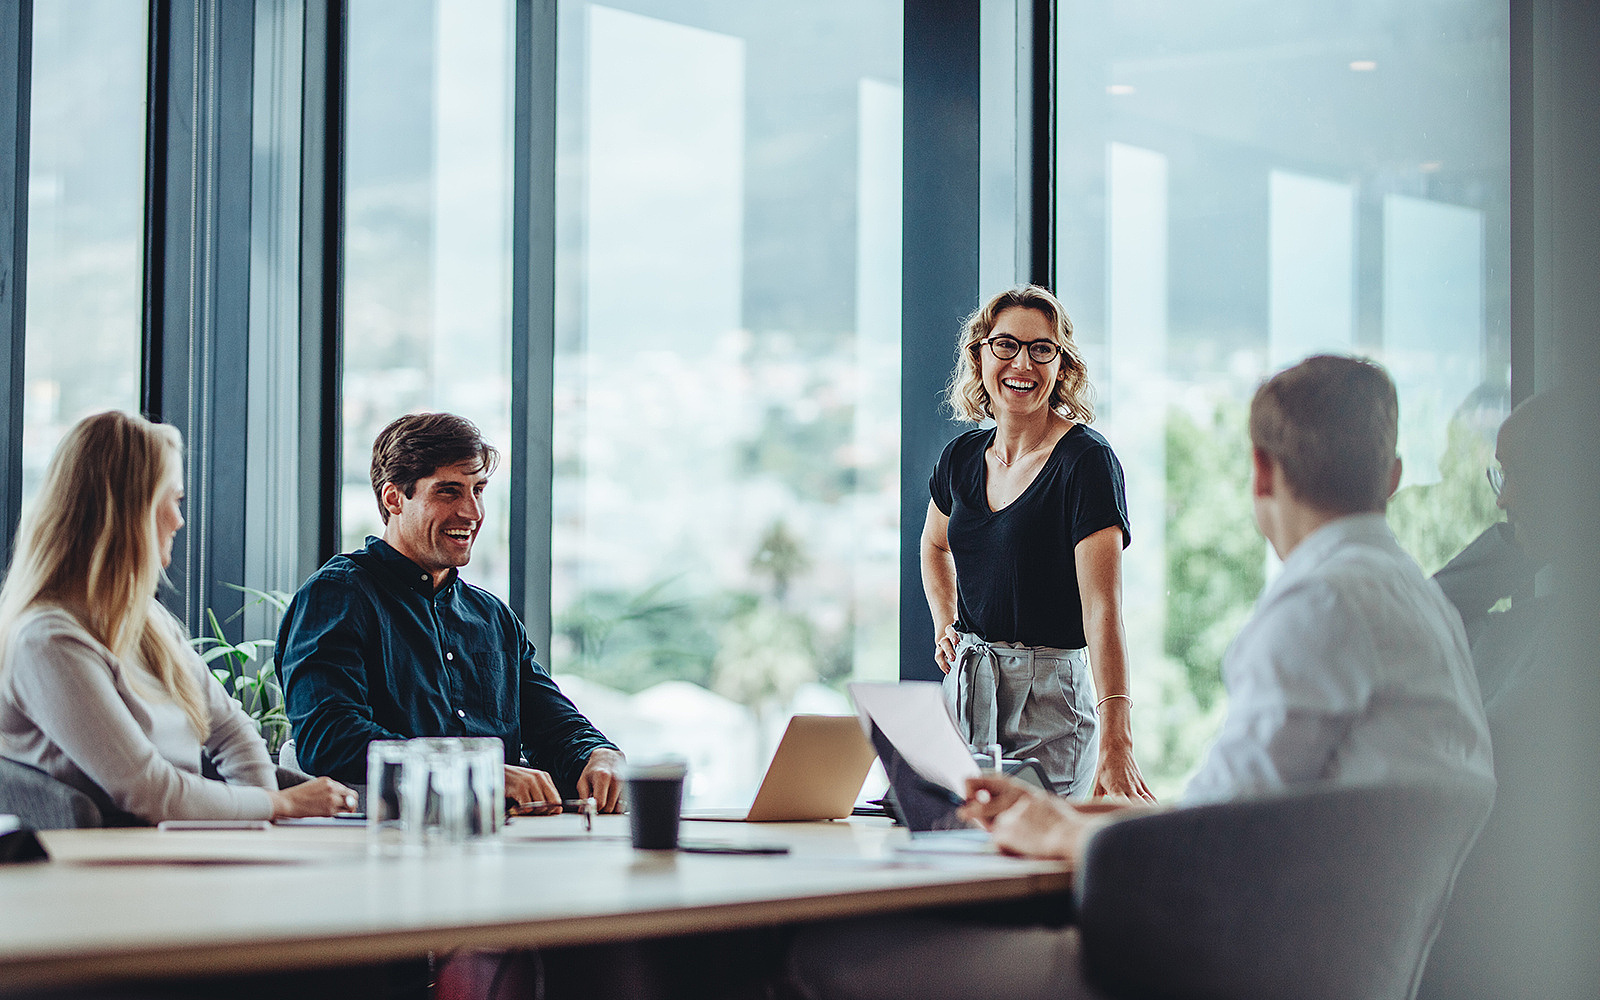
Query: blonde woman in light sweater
98, 686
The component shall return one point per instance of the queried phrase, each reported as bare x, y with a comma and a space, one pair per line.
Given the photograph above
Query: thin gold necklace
1017, 458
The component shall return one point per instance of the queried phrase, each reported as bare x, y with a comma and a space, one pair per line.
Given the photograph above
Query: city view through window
726, 507
85, 220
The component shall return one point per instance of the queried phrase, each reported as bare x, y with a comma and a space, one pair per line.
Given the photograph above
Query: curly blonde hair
1071, 396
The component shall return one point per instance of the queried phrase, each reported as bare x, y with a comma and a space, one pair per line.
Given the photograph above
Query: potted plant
256, 690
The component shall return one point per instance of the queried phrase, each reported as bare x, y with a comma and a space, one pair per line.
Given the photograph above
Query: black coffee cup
655, 797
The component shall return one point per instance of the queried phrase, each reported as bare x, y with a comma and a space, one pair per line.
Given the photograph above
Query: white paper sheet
912, 714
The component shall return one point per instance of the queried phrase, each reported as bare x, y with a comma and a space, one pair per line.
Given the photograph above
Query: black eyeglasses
1005, 348
1497, 479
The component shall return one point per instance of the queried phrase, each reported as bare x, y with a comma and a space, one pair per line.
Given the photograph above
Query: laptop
816, 773
926, 760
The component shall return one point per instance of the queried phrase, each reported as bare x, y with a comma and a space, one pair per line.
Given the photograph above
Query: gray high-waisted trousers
1035, 701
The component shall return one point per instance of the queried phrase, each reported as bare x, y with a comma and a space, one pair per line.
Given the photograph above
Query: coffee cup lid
656, 767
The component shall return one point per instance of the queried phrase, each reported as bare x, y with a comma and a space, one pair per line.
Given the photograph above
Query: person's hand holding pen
524, 784
602, 779
1025, 820
1022, 819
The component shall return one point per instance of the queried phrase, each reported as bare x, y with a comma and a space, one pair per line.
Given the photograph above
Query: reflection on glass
427, 294
1311, 257
727, 374
1432, 319
1241, 186
85, 219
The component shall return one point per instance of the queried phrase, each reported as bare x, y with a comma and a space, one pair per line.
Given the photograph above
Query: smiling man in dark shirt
388, 642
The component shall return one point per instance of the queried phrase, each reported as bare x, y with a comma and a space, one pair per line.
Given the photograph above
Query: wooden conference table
130, 904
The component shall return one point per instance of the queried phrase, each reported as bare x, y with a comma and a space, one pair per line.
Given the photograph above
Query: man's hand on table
524, 784
602, 780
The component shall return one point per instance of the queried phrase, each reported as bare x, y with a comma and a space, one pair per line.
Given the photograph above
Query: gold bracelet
1108, 697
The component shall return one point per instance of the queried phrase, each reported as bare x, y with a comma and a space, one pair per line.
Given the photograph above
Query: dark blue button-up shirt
368, 650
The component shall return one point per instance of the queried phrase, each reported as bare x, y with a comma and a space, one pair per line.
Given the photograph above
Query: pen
567, 805
588, 807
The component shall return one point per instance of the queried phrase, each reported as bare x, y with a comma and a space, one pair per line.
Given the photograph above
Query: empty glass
388, 764
434, 793
485, 789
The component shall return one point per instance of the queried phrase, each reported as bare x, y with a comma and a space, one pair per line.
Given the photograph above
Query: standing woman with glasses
1022, 554
98, 686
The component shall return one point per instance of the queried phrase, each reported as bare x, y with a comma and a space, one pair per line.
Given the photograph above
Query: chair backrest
1320, 893
42, 802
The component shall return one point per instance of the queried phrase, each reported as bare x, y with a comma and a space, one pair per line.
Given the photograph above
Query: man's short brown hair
1330, 422
412, 447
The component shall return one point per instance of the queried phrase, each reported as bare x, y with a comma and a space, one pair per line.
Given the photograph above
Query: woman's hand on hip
944, 650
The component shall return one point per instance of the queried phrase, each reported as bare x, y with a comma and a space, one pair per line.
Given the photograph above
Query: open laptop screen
924, 805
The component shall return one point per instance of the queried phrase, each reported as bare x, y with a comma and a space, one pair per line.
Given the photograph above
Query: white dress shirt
1354, 670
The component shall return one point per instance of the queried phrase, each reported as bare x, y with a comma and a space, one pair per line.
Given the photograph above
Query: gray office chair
42, 802
1328, 893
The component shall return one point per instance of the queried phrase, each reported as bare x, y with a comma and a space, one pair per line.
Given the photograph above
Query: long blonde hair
1071, 396
91, 545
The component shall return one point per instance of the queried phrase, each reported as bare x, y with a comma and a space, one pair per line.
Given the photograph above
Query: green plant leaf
257, 692
278, 599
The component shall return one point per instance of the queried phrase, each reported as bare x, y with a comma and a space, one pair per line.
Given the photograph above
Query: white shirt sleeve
1297, 675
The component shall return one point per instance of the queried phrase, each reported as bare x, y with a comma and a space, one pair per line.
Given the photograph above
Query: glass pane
726, 508
272, 462
1245, 184
85, 219
427, 294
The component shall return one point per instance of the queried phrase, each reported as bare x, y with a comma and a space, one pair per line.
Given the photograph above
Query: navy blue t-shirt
1015, 576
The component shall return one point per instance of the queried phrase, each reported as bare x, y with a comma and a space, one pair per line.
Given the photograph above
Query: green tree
763, 657
1216, 563
780, 556
633, 640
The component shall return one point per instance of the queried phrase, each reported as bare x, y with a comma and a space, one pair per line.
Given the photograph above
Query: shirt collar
406, 572
1370, 529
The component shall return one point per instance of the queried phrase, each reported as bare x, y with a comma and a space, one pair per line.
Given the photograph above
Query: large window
1244, 184
1238, 184
727, 406
85, 219
427, 253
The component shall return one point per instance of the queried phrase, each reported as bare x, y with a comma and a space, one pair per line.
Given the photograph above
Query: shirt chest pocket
480, 672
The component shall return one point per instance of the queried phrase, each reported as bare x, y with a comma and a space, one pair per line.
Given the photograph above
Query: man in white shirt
1353, 670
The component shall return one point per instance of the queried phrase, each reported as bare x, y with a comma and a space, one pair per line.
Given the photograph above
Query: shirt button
449, 656
423, 578
461, 714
